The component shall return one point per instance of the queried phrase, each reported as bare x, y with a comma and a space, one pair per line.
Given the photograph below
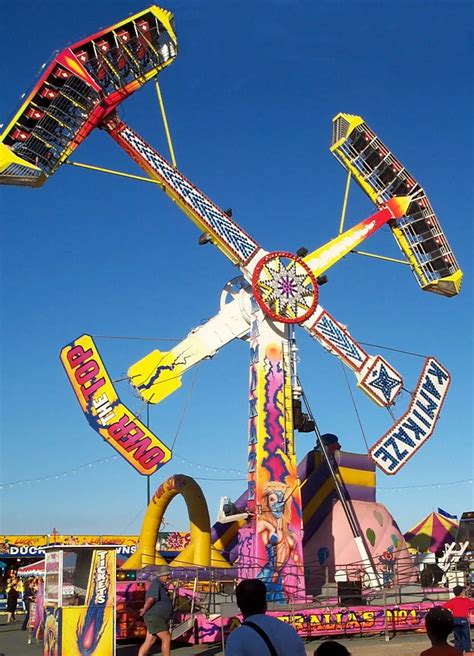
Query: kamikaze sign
412, 430
104, 410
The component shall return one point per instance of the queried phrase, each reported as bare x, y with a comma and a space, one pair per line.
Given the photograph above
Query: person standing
28, 596
460, 606
12, 601
38, 625
157, 613
260, 634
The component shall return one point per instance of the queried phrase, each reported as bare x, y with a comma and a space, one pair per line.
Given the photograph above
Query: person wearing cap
157, 613
460, 607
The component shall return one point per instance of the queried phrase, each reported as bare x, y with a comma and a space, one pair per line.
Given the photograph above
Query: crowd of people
27, 590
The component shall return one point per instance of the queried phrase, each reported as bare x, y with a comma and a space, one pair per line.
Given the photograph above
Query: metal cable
146, 339
389, 348
186, 407
355, 407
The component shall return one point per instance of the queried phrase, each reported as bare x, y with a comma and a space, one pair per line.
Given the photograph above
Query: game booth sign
28, 547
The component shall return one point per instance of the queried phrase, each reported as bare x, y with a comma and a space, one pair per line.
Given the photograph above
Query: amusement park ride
80, 90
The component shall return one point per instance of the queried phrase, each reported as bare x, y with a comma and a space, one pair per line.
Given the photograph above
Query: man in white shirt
260, 634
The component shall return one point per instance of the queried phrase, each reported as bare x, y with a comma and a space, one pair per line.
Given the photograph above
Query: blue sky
250, 100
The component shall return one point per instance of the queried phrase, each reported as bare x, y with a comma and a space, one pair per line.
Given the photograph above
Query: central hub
285, 287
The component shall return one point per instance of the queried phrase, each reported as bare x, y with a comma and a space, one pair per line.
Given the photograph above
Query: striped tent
432, 533
33, 569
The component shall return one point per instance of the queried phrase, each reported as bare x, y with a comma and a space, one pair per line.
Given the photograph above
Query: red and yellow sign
104, 410
33, 545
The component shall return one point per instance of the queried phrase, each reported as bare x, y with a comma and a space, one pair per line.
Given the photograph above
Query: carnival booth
79, 601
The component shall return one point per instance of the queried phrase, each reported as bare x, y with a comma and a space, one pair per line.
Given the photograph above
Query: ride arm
382, 383
375, 376
159, 373
219, 228
324, 257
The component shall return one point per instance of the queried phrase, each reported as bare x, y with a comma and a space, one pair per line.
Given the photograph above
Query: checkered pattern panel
218, 222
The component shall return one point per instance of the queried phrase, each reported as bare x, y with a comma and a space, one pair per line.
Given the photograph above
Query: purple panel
313, 483
360, 493
317, 519
356, 461
306, 466
352, 492
233, 551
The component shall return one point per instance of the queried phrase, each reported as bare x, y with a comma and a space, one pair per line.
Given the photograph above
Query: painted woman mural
273, 528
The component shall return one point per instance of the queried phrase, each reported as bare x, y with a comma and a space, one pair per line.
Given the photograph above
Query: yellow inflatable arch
199, 551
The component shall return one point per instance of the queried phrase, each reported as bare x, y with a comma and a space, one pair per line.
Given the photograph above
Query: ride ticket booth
79, 601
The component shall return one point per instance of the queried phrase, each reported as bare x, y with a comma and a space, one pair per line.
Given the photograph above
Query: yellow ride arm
324, 257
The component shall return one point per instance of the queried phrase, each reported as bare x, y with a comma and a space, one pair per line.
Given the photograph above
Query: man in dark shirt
157, 613
28, 596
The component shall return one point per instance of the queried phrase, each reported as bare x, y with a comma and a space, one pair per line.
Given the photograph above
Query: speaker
227, 587
431, 575
350, 593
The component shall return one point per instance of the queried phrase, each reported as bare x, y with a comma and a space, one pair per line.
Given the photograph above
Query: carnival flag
446, 514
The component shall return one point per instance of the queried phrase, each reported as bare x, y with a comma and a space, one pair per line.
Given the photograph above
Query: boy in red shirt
460, 606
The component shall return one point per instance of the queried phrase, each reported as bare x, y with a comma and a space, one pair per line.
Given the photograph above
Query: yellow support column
165, 122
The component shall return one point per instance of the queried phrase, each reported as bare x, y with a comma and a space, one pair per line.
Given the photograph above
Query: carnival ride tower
81, 89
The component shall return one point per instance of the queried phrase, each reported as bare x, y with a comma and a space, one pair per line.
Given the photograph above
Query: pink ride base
323, 621
382, 537
328, 619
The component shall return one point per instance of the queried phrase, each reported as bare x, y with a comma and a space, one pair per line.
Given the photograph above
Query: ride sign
412, 430
104, 410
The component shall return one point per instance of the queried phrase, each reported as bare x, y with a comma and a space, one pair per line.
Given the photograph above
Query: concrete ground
14, 642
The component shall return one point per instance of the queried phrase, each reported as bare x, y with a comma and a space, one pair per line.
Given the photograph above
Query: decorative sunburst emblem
285, 287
